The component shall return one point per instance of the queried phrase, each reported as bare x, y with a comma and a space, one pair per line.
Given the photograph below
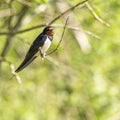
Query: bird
41, 44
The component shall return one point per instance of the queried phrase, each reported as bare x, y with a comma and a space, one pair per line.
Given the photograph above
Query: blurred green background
80, 81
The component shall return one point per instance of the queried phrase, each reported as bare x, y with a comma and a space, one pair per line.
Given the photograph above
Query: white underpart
45, 46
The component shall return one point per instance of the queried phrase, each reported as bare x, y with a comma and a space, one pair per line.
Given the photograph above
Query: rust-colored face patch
50, 31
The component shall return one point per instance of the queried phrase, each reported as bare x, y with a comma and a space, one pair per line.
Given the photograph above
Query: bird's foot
42, 56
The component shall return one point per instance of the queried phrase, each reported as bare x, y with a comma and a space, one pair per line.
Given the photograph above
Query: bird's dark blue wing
39, 41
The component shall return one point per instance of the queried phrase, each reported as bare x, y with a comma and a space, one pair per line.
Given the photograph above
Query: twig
61, 26
15, 74
22, 31
80, 3
42, 25
10, 36
92, 34
78, 29
12, 67
60, 39
95, 15
8, 40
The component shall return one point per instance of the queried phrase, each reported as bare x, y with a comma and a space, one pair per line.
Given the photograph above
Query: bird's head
48, 30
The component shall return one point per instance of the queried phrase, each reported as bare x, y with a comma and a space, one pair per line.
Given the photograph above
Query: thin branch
15, 74
4, 33
78, 29
12, 67
60, 39
92, 34
8, 40
80, 37
60, 26
28, 29
72, 8
10, 36
42, 25
95, 15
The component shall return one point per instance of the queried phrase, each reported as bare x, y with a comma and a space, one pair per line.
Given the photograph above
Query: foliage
72, 83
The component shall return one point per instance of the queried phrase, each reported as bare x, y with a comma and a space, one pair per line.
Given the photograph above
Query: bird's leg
41, 54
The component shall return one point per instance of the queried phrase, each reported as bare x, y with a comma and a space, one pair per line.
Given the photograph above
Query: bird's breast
46, 45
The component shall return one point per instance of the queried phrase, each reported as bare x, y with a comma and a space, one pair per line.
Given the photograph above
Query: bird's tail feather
24, 64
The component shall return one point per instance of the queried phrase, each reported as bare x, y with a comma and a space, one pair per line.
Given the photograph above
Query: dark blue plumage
41, 43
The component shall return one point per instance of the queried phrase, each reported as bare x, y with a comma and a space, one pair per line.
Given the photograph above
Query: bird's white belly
45, 46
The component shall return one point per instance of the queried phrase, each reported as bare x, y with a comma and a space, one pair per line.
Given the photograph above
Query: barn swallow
41, 43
